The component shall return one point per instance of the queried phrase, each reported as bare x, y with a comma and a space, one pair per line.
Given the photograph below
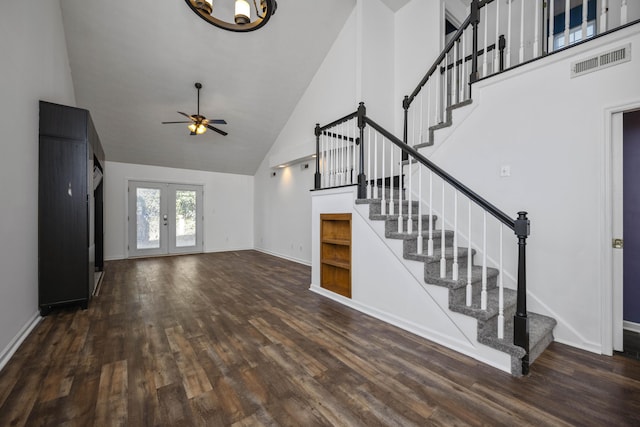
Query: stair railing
372, 157
497, 36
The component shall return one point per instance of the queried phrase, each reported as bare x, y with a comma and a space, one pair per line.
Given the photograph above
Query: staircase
356, 151
540, 327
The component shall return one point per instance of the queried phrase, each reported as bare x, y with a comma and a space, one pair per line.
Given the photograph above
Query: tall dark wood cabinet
70, 207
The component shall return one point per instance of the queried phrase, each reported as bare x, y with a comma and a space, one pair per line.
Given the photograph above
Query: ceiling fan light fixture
243, 21
197, 128
243, 12
204, 5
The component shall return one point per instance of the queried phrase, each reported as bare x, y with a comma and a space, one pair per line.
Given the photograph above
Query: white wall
418, 31
283, 203
35, 66
375, 60
228, 205
550, 129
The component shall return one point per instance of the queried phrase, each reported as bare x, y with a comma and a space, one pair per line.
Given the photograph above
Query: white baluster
383, 204
445, 102
429, 82
332, 165
454, 73
521, 52
430, 241
469, 288
509, 18
454, 274
356, 163
400, 186
496, 51
341, 151
486, 42
419, 242
420, 139
604, 13
483, 295
413, 126
391, 205
436, 118
624, 14
463, 74
500, 294
369, 190
443, 261
375, 167
551, 46
567, 21
536, 35
585, 18
410, 199
347, 151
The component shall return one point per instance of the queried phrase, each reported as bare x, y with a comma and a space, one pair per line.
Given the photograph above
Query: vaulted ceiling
134, 65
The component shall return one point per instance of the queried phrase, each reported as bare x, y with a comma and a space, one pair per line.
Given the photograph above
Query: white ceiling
134, 64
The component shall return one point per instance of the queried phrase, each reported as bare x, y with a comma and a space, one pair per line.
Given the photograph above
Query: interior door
631, 212
164, 218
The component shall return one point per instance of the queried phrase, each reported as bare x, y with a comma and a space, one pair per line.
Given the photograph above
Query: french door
164, 218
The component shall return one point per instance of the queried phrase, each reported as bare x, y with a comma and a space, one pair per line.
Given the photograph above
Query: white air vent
603, 60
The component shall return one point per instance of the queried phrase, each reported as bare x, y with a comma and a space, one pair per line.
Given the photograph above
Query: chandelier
241, 18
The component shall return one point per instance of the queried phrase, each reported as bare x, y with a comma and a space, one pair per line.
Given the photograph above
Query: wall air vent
602, 60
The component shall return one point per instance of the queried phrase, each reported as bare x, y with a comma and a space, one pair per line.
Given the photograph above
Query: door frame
127, 228
611, 220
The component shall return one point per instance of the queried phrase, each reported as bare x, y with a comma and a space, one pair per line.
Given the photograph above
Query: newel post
475, 20
502, 44
405, 105
362, 178
317, 177
520, 320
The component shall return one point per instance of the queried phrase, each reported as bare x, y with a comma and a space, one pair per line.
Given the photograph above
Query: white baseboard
502, 361
631, 326
15, 343
289, 258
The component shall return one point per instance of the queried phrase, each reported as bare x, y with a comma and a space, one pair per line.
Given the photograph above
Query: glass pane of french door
147, 218
185, 218
185, 228
164, 218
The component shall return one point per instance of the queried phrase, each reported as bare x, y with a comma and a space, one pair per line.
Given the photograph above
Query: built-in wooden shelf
335, 253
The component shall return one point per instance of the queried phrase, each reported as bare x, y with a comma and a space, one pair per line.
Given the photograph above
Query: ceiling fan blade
186, 115
221, 132
218, 121
167, 123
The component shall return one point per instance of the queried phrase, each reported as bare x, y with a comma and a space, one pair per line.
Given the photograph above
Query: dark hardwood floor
237, 339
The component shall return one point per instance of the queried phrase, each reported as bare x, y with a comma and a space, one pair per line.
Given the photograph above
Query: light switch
505, 170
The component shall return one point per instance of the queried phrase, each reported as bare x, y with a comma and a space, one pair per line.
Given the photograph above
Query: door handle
164, 217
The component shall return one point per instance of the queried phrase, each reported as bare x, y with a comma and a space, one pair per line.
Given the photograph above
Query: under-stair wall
386, 286
548, 133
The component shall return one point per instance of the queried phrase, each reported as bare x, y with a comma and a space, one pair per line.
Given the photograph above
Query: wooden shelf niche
335, 253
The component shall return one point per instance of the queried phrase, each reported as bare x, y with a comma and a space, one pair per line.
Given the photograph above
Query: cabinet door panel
63, 250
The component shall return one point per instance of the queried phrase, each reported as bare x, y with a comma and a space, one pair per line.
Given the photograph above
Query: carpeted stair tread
475, 311
476, 277
405, 217
540, 335
540, 327
414, 235
448, 122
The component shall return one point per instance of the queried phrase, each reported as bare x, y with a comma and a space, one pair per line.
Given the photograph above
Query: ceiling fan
199, 124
